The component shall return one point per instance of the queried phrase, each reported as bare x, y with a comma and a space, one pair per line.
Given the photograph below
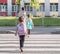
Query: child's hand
27, 35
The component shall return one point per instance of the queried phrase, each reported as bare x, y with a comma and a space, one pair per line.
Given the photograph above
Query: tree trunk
18, 10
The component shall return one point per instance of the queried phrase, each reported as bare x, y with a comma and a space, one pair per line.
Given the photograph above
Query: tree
17, 2
35, 3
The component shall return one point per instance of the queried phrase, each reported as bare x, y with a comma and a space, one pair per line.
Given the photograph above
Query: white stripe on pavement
42, 49
31, 49
31, 42
31, 45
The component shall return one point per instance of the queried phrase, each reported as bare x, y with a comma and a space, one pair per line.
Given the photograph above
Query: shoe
28, 36
21, 50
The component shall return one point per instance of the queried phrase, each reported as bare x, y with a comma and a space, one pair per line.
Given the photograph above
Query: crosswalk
35, 44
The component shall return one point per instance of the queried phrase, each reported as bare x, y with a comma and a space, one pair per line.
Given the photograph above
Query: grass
37, 21
7, 21
7, 17
48, 21
52, 21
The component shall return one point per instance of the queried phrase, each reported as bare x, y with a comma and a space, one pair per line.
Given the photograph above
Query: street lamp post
43, 15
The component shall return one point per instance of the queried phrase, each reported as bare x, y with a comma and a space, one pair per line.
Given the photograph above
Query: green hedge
37, 21
51, 21
48, 21
12, 21
7, 21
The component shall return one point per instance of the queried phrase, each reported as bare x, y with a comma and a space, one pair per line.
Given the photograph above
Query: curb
6, 32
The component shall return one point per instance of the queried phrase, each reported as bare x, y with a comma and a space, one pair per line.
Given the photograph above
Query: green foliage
35, 3
32, 3
48, 21
17, 2
7, 21
51, 21
37, 21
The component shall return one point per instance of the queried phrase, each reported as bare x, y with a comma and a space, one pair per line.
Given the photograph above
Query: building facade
47, 7
7, 7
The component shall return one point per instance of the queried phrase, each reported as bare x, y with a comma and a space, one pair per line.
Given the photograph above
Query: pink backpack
21, 29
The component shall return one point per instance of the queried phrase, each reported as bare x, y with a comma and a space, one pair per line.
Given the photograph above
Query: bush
37, 21
48, 21
12, 21
7, 21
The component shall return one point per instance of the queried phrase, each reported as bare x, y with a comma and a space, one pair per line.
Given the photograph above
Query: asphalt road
35, 30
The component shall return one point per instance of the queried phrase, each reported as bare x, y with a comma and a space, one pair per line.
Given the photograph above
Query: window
6, 8
42, 7
3, 8
28, 7
0, 7
54, 7
14, 8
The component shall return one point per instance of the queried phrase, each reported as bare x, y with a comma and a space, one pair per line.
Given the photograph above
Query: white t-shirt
22, 13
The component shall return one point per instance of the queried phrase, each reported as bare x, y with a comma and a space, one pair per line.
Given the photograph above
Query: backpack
21, 29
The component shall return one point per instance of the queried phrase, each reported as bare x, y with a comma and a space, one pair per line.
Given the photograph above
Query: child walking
29, 24
21, 30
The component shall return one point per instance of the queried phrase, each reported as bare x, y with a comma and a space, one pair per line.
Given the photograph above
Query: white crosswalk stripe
32, 45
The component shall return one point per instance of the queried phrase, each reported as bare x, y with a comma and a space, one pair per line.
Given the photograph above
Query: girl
22, 12
21, 30
29, 24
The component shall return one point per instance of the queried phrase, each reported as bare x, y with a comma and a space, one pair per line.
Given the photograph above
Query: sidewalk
35, 30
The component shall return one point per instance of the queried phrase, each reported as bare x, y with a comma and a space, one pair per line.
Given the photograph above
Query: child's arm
32, 23
26, 30
16, 31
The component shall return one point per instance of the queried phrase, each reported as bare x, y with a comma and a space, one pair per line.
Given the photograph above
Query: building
47, 7
7, 7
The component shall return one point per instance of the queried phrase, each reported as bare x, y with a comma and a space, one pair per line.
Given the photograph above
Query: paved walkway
35, 30
35, 44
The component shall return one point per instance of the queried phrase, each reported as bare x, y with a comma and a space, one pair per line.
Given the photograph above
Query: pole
43, 20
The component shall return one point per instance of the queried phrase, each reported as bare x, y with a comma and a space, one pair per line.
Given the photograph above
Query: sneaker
21, 50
